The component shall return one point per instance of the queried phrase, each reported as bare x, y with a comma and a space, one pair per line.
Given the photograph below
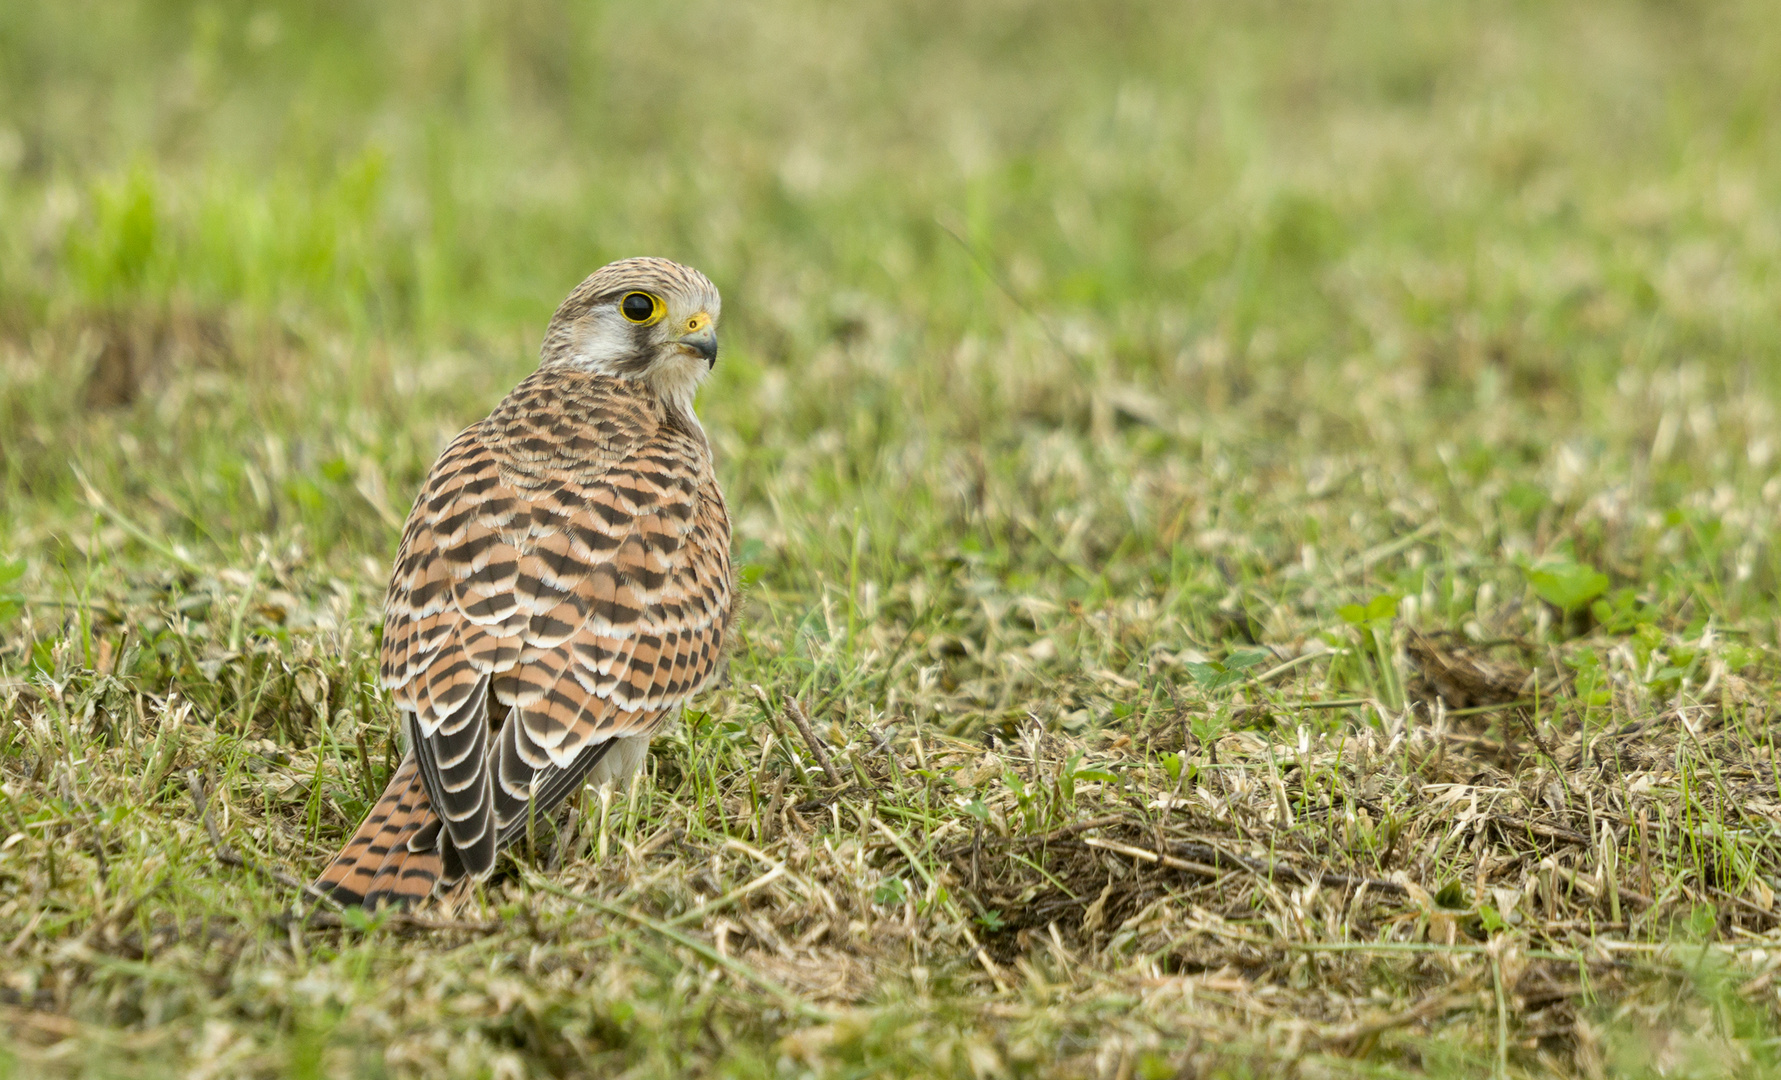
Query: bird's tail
395, 857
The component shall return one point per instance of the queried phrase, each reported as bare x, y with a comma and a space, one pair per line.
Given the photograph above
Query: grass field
1271, 507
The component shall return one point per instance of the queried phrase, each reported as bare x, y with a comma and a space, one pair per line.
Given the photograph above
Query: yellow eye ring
642, 308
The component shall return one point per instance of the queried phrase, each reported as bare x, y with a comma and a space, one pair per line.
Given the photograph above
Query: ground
1257, 526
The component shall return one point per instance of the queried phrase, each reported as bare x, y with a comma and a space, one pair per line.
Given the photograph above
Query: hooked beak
704, 342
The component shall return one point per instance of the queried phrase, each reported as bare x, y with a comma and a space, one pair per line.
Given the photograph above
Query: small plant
1567, 586
1570, 588
891, 891
1373, 621
1212, 676
1073, 772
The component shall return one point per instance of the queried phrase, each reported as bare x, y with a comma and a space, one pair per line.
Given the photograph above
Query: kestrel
563, 586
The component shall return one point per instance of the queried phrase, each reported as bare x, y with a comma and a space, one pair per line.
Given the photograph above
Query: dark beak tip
705, 344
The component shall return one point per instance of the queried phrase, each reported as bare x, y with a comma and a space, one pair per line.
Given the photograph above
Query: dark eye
640, 307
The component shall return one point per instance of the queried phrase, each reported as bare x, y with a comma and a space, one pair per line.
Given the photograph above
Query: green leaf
1172, 765
1213, 675
1739, 657
1239, 661
1567, 586
977, 810
1452, 895
1703, 919
1209, 676
1375, 614
890, 891
1525, 498
1584, 659
1493, 922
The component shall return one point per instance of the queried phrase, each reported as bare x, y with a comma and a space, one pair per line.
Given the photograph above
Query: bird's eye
640, 307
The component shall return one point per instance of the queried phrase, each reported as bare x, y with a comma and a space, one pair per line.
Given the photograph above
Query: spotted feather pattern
563, 581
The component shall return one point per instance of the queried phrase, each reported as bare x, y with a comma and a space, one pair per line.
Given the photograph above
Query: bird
562, 588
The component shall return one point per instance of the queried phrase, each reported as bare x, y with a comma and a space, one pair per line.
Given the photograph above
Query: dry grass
1269, 871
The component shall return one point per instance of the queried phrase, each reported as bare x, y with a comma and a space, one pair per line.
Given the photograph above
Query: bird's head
646, 318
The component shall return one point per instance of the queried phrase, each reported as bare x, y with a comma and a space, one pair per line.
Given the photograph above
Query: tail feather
380, 864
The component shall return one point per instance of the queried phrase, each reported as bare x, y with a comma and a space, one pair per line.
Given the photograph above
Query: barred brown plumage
562, 586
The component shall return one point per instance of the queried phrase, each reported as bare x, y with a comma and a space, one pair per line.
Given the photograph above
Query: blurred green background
1106, 300
934, 225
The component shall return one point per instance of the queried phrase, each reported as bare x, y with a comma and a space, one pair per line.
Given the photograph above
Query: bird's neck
675, 381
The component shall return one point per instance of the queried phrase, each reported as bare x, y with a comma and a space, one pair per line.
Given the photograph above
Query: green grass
1272, 507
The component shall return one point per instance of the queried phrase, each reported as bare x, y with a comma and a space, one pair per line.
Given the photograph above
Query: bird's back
563, 584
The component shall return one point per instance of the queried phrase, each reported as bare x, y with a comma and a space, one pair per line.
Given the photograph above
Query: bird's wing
626, 581
586, 600
451, 625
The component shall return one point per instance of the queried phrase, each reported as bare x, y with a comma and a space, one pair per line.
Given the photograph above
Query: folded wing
553, 592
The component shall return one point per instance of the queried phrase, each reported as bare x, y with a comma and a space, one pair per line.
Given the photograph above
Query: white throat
676, 379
